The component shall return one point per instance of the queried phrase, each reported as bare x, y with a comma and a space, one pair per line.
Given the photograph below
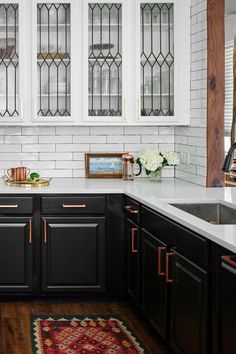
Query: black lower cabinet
154, 286
73, 254
189, 311
227, 304
133, 260
16, 254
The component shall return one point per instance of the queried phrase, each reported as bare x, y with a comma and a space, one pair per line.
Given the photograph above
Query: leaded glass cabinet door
12, 61
162, 56
52, 57
105, 61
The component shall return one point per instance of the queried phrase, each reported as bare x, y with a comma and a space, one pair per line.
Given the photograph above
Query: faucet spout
228, 159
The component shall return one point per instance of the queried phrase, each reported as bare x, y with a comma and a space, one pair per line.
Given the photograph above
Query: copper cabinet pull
131, 209
168, 255
45, 231
30, 231
74, 205
159, 252
8, 205
227, 259
133, 230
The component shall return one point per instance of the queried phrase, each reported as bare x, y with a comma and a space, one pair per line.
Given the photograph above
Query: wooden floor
15, 324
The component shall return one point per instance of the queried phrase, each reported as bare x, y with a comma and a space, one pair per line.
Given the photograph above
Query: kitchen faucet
228, 158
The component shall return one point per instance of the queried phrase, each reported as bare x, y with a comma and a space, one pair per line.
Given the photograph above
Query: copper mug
17, 174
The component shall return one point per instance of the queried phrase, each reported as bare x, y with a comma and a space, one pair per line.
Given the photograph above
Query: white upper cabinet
54, 61
162, 57
13, 62
105, 61
94, 62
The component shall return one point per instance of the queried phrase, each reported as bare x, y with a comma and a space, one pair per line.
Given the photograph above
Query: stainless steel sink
215, 213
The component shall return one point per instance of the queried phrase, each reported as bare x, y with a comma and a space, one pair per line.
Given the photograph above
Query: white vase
156, 175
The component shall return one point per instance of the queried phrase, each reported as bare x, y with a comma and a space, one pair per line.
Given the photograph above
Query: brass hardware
8, 205
30, 231
45, 231
168, 255
228, 260
74, 205
159, 250
130, 209
133, 230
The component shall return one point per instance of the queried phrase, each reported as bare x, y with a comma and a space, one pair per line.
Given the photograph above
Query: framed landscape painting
103, 165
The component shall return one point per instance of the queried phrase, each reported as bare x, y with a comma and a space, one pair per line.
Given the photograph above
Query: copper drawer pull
159, 251
30, 231
168, 255
133, 230
131, 210
8, 205
45, 231
227, 259
74, 205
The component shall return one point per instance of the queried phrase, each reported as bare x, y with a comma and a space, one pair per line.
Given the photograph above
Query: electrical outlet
185, 157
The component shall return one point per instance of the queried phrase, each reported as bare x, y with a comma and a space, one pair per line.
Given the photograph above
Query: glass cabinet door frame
181, 65
126, 97
75, 65
23, 64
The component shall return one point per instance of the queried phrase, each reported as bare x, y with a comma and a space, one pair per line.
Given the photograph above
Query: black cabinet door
16, 255
73, 257
228, 305
133, 249
189, 312
154, 287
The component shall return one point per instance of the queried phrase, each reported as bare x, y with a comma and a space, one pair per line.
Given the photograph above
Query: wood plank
215, 93
14, 336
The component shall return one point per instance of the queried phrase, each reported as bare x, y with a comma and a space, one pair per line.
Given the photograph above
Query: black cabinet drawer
132, 210
189, 244
16, 205
74, 205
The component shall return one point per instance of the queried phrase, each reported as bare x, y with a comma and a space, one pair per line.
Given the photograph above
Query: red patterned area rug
78, 334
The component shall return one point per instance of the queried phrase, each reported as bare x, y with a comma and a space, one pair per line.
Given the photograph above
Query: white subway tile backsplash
72, 130
72, 147
38, 130
106, 147
12, 156
57, 156
95, 139
107, 130
10, 148
69, 165
38, 148
112, 139
67, 139
10, 130
21, 139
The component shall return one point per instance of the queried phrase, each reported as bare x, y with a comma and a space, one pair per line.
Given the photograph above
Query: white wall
192, 140
59, 151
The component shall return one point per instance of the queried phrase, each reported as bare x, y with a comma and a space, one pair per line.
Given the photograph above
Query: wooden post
215, 92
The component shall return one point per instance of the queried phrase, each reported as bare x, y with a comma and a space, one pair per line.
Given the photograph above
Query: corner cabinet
95, 62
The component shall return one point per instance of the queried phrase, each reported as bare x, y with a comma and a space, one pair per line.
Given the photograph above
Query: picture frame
103, 165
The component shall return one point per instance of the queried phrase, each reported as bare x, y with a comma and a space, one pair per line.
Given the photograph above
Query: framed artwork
103, 165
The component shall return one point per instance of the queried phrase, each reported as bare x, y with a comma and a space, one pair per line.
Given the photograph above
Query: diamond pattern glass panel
9, 60
105, 59
157, 59
53, 59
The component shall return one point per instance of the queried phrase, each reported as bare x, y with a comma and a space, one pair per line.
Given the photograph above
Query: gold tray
39, 183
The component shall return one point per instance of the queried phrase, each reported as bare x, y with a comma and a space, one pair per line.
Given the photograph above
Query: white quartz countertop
154, 195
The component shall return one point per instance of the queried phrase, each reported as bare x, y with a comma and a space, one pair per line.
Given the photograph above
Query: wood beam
215, 92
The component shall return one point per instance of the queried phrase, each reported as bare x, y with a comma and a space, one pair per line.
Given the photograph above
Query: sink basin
214, 213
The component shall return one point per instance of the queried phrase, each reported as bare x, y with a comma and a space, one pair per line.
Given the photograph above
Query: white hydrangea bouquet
153, 160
